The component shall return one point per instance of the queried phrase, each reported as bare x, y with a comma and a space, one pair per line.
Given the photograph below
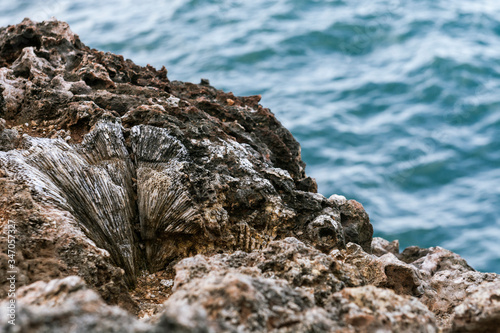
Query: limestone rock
238, 302
480, 311
300, 265
285, 287
147, 170
381, 246
111, 172
66, 305
371, 309
449, 281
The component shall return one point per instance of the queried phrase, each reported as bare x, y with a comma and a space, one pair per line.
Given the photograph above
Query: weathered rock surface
191, 207
480, 311
140, 167
66, 305
289, 287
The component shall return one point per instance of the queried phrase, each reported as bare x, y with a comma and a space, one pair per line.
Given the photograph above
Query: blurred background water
395, 103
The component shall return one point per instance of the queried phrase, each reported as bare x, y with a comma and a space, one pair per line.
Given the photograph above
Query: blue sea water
395, 103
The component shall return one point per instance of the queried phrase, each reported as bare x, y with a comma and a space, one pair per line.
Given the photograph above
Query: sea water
395, 103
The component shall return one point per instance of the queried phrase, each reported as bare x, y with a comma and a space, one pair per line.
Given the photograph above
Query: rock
232, 302
338, 200
381, 246
371, 309
356, 224
325, 232
480, 311
111, 172
300, 265
9, 139
449, 280
66, 305
148, 168
386, 271
286, 287
50, 243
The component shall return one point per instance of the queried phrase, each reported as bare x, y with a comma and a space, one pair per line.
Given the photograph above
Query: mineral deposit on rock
142, 204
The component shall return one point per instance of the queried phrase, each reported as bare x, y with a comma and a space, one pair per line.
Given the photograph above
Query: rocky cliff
140, 204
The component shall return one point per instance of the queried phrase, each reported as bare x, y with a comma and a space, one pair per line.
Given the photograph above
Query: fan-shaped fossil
163, 202
94, 180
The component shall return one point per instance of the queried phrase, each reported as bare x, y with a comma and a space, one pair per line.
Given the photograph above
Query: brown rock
66, 305
480, 311
381, 246
111, 172
272, 290
356, 224
127, 172
371, 309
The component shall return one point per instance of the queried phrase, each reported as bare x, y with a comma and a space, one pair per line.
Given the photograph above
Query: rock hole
326, 232
95, 82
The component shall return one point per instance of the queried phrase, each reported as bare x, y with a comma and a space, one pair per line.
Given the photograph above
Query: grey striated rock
50, 242
91, 180
164, 203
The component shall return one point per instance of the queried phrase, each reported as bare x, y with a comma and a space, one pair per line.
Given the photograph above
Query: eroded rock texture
150, 171
290, 287
67, 305
191, 206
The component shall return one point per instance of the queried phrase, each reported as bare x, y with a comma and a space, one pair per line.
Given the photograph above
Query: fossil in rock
93, 181
163, 201
153, 170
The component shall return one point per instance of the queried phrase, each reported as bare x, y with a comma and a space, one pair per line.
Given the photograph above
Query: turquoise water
395, 103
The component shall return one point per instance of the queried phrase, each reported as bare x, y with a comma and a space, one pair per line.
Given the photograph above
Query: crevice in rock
95, 82
11, 50
79, 129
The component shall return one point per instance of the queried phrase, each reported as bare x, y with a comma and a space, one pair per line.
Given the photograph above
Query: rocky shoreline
141, 204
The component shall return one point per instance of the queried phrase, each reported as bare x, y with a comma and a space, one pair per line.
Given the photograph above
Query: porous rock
448, 282
381, 246
142, 170
286, 287
111, 172
480, 311
66, 305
